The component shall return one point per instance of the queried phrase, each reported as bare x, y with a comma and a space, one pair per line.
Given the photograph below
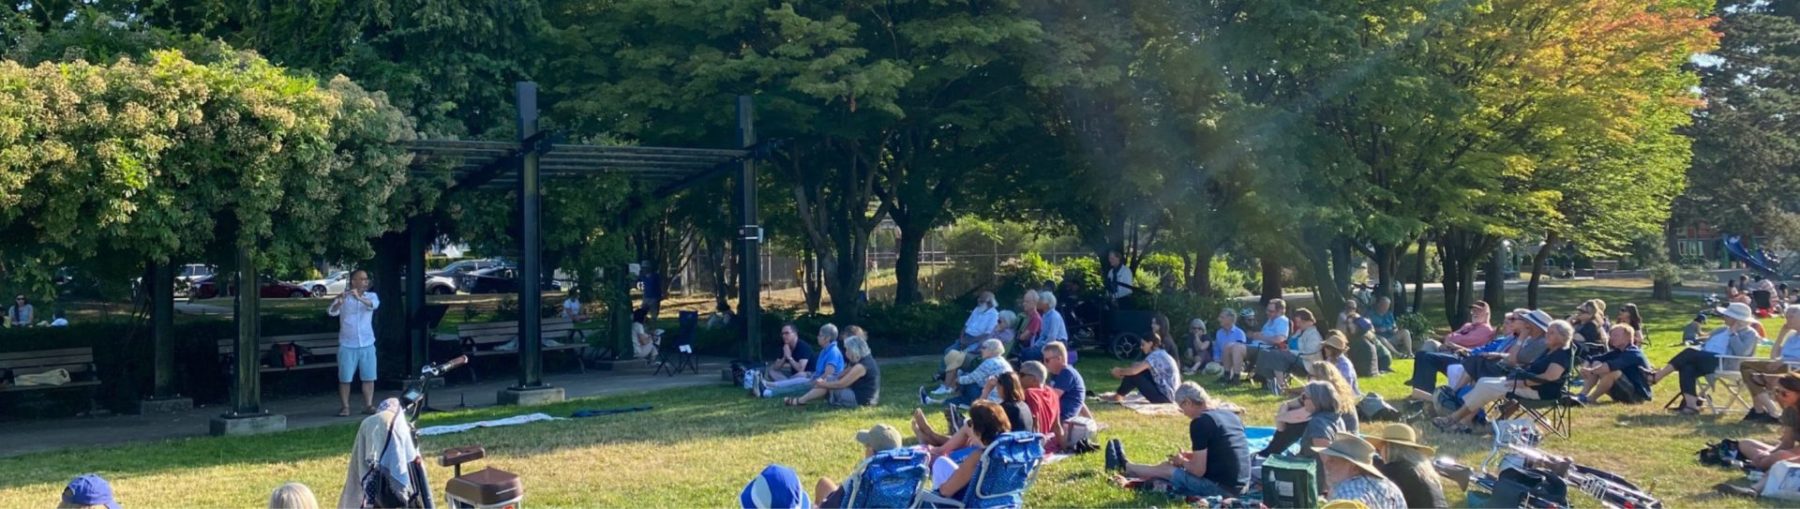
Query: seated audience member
1004, 328
1200, 347
1044, 402
1475, 333
968, 386
1333, 349
859, 385
1735, 339
1622, 372
1691, 333
1072, 405
880, 438
1350, 474
980, 325
1407, 463
1228, 344
59, 319
827, 366
1012, 401
293, 496
572, 309
987, 422
1359, 330
776, 487
643, 344
1275, 330
722, 317
88, 491
1527, 348
1590, 324
1387, 328
1155, 377
796, 356
1274, 365
1784, 389
1427, 365
1346, 397
1055, 329
21, 314
1031, 323
1786, 350
1543, 379
1629, 316
1217, 462
1312, 420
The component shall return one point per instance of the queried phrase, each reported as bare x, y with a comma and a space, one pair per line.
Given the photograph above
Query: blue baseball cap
775, 488
89, 489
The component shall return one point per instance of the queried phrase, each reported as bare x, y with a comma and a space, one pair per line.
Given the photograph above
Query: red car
271, 289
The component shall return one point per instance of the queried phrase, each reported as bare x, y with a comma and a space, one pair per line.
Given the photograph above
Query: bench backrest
78, 361
324, 343
501, 332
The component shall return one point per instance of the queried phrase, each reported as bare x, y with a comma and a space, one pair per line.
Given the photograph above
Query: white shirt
354, 328
981, 321
1122, 276
60, 322
571, 308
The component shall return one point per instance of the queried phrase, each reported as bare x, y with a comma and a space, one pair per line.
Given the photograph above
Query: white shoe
941, 390
768, 393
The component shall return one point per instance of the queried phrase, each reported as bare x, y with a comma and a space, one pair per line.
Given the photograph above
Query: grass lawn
699, 446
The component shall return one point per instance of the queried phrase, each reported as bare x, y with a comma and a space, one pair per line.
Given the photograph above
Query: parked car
456, 270
435, 285
499, 280
331, 284
271, 289
192, 273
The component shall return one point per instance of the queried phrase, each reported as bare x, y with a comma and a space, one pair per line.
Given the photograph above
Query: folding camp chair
891, 479
1006, 470
1552, 414
678, 354
1729, 373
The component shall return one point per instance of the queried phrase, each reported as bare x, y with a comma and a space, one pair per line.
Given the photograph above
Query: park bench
322, 347
481, 340
78, 361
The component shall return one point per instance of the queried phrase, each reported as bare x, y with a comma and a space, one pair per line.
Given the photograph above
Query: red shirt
1034, 323
1045, 404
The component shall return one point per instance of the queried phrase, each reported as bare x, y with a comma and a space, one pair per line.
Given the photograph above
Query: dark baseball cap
89, 489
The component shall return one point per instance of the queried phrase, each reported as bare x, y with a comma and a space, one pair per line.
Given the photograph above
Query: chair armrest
933, 499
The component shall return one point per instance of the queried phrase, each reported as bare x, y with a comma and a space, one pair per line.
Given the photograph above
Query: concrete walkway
311, 411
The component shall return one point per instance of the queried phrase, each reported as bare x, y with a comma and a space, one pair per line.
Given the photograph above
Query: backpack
1373, 408
742, 372
1526, 488
1290, 481
1722, 454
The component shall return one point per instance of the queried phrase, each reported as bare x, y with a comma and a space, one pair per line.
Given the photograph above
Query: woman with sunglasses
21, 313
1589, 321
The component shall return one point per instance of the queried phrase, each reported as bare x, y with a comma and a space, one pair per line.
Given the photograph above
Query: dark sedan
271, 289
498, 280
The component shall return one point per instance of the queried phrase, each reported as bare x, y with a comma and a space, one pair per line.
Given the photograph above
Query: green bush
1027, 271
1085, 270
1434, 269
1164, 270
1183, 306
1231, 282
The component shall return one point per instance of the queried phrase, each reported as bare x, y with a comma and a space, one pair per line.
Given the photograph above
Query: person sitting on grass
877, 439
828, 365
643, 343
1055, 329
1311, 420
1072, 411
1387, 327
1200, 347
1031, 322
1629, 316
1735, 339
1621, 372
1351, 474
1217, 462
859, 385
1541, 380
796, 356
1155, 377
1691, 333
1589, 321
1044, 403
1346, 399
293, 496
1229, 344
968, 386
1357, 327
1333, 349
1407, 463
1786, 350
88, 491
1784, 389
987, 422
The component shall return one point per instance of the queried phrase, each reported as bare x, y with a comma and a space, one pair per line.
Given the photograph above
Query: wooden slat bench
78, 361
322, 346
483, 340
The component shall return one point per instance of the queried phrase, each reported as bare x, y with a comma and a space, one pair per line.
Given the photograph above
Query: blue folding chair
1006, 470
891, 479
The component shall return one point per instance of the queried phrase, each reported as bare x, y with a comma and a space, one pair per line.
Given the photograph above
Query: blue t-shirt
1790, 350
1277, 327
1073, 388
832, 356
1225, 337
1348, 371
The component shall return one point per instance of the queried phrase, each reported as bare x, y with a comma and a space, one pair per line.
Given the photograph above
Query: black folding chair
679, 353
1553, 415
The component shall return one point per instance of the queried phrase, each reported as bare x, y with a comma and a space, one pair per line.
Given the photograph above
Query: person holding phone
355, 310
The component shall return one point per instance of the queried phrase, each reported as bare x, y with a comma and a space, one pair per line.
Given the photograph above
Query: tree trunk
906, 267
1495, 293
1271, 280
1453, 267
715, 259
1537, 270
1342, 266
1200, 278
812, 282
1418, 280
1328, 297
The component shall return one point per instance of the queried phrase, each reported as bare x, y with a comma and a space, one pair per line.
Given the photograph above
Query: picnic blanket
509, 421
1137, 403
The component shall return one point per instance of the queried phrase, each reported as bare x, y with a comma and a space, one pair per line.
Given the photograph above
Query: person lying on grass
1785, 390
877, 439
1217, 462
860, 385
1621, 372
1012, 401
1543, 379
988, 422
968, 385
1155, 377
1735, 339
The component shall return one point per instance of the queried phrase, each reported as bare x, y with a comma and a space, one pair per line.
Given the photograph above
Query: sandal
344, 412
790, 402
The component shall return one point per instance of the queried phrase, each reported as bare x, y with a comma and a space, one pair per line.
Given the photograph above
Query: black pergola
525, 166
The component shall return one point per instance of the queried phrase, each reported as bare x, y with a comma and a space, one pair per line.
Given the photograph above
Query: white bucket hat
1738, 311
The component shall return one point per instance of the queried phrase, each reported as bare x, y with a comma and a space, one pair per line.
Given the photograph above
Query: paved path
310, 411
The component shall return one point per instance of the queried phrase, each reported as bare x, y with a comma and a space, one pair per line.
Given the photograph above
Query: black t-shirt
867, 388
1590, 332
804, 352
1417, 482
1019, 414
1221, 434
1552, 390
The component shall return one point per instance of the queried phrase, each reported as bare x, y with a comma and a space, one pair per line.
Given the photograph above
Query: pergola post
247, 415
417, 336
159, 287
749, 237
531, 388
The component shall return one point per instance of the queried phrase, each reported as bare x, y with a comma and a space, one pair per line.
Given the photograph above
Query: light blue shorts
356, 361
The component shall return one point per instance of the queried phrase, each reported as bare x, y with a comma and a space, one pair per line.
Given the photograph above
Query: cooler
485, 489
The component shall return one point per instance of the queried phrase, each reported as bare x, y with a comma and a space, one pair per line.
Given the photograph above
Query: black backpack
1722, 454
